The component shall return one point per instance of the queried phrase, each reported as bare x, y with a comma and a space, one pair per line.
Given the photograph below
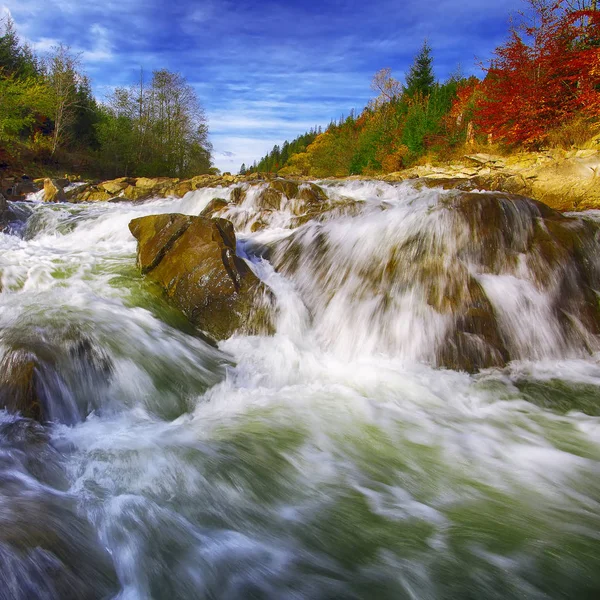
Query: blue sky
265, 71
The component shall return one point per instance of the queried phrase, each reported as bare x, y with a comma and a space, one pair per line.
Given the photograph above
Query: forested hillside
541, 89
50, 120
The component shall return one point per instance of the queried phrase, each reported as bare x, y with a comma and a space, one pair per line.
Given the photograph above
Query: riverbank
564, 180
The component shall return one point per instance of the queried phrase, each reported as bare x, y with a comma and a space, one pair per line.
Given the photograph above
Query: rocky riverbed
298, 389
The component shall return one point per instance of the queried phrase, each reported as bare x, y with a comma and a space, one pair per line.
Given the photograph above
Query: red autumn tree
545, 75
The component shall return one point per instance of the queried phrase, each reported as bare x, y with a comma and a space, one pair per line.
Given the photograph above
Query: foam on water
330, 460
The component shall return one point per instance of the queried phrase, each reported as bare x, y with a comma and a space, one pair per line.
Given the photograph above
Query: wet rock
312, 194
92, 194
13, 216
157, 236
214, 206
53, 192
269, 199
4, 213
16, 188
60, 380
135, 193
20, 385
178, 190
474, 341
286, 187
194, 260
20, 188
554, 256
75, 194
238, 194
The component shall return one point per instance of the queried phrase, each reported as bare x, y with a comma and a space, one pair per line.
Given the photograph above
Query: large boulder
194, 260
53, 192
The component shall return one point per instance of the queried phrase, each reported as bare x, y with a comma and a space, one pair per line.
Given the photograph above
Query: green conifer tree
420, 79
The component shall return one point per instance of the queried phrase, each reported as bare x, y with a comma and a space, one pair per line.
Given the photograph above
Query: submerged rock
479, 278
194, 260
46, 379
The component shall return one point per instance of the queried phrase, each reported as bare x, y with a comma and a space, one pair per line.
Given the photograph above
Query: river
332, 460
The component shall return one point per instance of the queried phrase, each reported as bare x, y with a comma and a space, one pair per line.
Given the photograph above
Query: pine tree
420, 77
243, 169
15, 58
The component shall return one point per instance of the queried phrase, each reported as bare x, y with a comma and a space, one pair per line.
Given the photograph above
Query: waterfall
423, 422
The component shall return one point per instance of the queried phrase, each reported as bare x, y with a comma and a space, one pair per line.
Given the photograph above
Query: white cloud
101, 46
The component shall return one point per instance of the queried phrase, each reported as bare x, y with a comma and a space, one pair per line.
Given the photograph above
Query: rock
59, 380
194, 260
76, 194
214, 206
115, 186
269, 199
491, 234
53, 192
19, 384
178, 190
474, 341
286, 187
4, 214
15, 189
156, 182
93, 194
483, 159
156, 237
201, 181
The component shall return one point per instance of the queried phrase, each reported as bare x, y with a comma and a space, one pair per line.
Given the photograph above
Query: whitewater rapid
330, 460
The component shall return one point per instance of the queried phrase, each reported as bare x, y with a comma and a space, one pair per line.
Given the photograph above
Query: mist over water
334, 459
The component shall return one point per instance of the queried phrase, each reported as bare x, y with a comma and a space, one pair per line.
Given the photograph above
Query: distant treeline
541, 89
278, 157
49, 118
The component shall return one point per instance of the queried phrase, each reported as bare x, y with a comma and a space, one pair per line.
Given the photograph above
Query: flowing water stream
332, 460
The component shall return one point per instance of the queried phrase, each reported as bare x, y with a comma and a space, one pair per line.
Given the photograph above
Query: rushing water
330, 460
